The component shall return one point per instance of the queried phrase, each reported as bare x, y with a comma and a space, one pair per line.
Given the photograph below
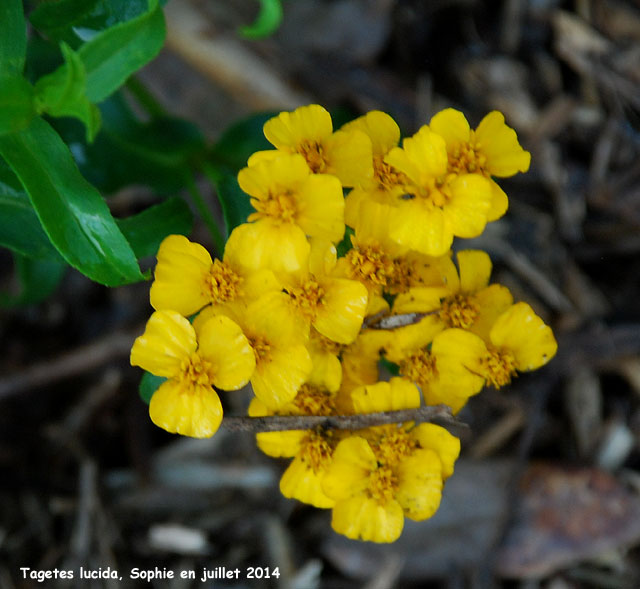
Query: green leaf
38, 279
16, 103
63, 93
149, 384
20, 228
267, 21
72, 212
147, 229
114, 54
56, 18
235, 203
13, 37
240, 140
126, 151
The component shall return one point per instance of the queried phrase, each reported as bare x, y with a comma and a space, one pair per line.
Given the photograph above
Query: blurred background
547, 492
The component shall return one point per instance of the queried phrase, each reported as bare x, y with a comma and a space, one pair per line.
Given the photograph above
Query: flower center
307, 298
386, 175
459, 311
499, 367
312, 400
394, 444
419, 367
466, 158
370, 264
222, 284
324, 344
313, 152
383, 484
317, 451
277, 205
434, 192
261, 348
402, 278
195, 371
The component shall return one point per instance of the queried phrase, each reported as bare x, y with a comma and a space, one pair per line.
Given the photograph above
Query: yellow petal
327, 369
420, 484
285, 444
379, 127
419, 227
475, 270
321, 207
420, 299
342, 310
348, 474
436, 438
468, 209
167, 340
224, 345
189, 411
266, 244
322, 257
499, 143
276, 380
492, 302
285, 172
499, 202
362, 518
386, 396
179, 276
349, 157
525, 335
405, 340
428, 151
452, 126
307, 123
301, 482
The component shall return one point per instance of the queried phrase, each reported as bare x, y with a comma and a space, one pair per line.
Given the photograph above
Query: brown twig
440, 414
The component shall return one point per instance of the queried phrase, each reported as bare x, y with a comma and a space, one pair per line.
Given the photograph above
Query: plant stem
145, 98
205, 214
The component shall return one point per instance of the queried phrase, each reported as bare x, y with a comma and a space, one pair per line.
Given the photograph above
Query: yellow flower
327, 368
386, 182
282, 360
308, 131
491, 150
311, 450
444, 364
372, 496
467, 301
219, 356
435, 206
187, 279
291, 204
519, 341
334, 306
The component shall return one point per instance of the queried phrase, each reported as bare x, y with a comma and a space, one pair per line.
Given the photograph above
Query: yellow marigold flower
391, 443
308, 131
373, 497
282, 360
187, 279
311, 450
519, 341
491, 150
386, 182
291, 204
435, 206
219, 356
444, 364
334, 306
467, 301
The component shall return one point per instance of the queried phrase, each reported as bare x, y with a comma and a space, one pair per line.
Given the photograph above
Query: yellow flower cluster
309, 329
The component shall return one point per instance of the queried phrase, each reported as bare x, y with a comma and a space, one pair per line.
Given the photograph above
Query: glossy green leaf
147, 229
114, 54
240, 140
57, 18
16, 104
38, 279
267, 21
63, 93
13, 37
235, 203
73, 214
149, 384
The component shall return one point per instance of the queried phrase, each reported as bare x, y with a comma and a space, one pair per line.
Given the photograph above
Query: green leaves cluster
69, 137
